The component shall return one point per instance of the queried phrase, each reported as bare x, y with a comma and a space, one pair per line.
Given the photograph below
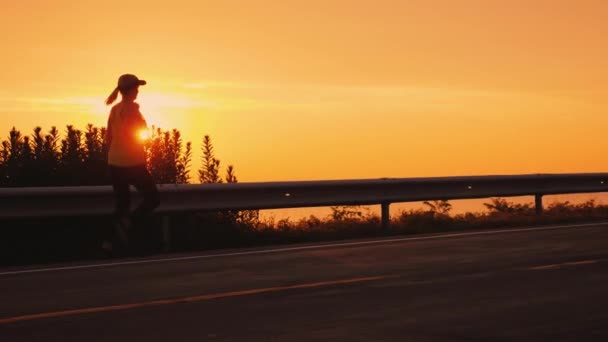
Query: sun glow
143, 134
162, 109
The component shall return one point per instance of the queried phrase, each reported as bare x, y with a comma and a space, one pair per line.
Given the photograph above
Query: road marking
584, 262
556, 266
122, 307
300, 248
544, 267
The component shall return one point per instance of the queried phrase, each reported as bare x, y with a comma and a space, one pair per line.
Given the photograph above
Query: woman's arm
142, 124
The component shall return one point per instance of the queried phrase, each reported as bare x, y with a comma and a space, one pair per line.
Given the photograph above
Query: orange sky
293, 90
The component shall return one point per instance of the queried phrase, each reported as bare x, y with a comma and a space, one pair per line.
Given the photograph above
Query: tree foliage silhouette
210, 170
46, 156
441, 207
209, 173
80, 157
167, 160
502, 206
72, 158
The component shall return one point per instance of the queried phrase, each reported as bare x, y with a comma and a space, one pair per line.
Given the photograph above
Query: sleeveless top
125, 125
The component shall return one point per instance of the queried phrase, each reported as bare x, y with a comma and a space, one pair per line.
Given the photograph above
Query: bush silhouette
79, 158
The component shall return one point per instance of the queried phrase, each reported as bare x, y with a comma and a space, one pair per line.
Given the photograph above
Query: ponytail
112, 97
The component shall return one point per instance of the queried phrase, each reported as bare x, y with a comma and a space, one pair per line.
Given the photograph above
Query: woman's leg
144, 183
122, 197
122, 200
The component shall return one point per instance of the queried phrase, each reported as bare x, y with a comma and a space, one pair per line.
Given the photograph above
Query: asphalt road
523, 285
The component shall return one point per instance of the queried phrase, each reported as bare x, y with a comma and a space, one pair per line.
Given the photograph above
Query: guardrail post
386, 215
538, 199
166, 229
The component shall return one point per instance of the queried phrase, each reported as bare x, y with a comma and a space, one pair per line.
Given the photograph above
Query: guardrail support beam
386, 215
538, 202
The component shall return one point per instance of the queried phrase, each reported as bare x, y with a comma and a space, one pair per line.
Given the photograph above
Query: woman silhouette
126, 157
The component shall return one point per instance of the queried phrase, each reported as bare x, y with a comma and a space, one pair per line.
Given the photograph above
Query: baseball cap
128, 81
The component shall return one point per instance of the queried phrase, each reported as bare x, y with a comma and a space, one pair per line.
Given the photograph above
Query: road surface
546, 284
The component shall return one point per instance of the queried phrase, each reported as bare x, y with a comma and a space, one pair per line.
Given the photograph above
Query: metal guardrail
98, 200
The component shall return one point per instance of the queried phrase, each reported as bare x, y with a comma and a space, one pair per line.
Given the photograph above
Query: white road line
300, 248
557, 266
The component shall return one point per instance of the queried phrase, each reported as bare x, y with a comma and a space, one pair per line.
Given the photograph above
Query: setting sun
143, 134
